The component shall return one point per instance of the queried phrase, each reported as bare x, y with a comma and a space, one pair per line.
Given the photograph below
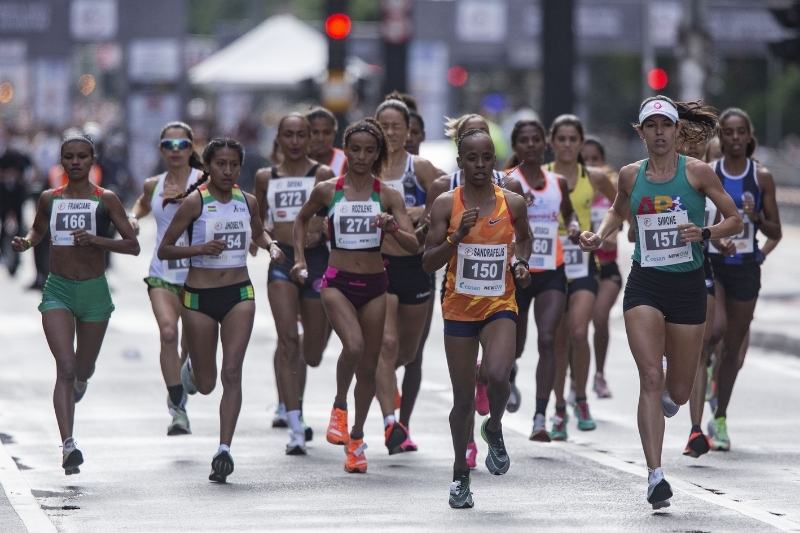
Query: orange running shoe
337, 427
355, 462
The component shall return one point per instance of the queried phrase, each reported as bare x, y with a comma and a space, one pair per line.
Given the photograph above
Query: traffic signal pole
559, 58
335, 92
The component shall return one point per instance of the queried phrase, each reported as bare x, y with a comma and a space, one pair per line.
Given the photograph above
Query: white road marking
19, 494
639, 469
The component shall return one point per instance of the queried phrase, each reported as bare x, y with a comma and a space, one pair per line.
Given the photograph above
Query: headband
658, 107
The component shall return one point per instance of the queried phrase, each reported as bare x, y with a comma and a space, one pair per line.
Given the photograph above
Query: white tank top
338, 162
229, 221
172, 270
544, 209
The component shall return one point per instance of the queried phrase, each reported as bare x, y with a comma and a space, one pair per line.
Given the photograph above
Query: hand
275, 252
522, 275
468, 220
589, 241
574, 231
299, 272
82, 238
134, 224
749, 206
725, 246
253, 249
690, 233
20, 244
386, 223
214, 247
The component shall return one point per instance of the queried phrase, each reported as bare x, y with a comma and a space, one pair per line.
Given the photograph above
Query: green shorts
88, 300
158, 283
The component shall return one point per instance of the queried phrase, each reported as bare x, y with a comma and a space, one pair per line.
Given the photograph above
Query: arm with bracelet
39, 228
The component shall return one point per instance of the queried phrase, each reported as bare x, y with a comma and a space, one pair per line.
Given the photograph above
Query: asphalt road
137, 479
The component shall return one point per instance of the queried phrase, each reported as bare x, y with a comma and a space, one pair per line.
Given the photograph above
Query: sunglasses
176, 144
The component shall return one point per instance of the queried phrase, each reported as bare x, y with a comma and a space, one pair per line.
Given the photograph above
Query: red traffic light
337, 26
657, 78
457, 76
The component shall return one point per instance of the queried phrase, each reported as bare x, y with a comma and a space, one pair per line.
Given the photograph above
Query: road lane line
19, 494
638, 469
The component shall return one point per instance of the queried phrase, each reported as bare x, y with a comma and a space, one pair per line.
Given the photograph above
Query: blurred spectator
15, 166
247, 134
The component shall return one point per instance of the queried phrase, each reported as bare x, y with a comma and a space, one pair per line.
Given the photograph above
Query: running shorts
153, 282
611, 272
546, 280
360, 289
462, 328
88, 300
407, 280
680, 296
741, 282
216, 302
588, 283
316, 262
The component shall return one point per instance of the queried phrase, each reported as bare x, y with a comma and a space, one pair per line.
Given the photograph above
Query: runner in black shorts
281, 191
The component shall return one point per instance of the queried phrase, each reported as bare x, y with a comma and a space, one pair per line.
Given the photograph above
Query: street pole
648, 51
694, 50
559, 58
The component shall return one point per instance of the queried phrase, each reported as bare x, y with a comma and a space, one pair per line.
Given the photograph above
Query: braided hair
208, 155
470, 133
370, 126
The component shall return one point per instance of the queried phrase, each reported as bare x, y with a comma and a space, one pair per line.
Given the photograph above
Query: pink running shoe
472, 455
408, 445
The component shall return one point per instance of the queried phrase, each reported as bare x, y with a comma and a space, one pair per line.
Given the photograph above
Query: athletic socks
541, 406
223, 448
68, 445
388, 420
696, 428
580, 399
176, 394
654, 475
340, 405
293, 417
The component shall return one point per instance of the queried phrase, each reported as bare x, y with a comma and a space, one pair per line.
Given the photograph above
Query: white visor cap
658, 107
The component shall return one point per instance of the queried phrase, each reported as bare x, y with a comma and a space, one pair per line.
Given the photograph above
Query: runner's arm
438, 250
128, 244
769, 219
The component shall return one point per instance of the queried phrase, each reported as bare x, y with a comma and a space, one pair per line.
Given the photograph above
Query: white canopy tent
280, 52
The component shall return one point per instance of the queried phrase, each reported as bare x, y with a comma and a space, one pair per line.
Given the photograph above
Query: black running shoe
497, 460
395, 435
221, 467
460, 495
658, 494
697, 445
71, 461
309, 434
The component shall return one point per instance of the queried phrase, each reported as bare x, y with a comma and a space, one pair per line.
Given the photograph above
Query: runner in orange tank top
479, 306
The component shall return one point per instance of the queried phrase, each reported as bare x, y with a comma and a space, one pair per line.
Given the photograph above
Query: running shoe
297, 443
539, 431
658, 493
308, 432
601, 387
585, 420
472, 455
180, 420
668, 406
497, 460
460, 495
79, 389
408, 445
514, 396
71, 460
559, 428
187, 377
337, 427
698, 445
395, 434
355, 461
718, 434
221, 467
280, 419
481, 398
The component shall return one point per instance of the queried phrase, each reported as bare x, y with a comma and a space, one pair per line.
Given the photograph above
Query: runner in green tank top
664, 302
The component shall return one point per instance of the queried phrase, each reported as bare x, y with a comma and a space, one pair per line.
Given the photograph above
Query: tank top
408, 186
286, 194
737, 187
71, 214
171, 270
338, 162
544, 212
229, 221
351, 224
479, 282
658, 209
581, 197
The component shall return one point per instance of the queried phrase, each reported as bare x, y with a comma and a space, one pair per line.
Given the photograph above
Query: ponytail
193, 187
208, 155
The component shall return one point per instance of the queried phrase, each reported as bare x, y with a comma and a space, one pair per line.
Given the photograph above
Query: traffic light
657, 78
789, 17
337, 28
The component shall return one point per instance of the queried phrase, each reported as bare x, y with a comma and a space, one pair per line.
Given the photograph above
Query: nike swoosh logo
493, 222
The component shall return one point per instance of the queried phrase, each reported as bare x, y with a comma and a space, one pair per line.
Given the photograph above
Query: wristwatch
706, 233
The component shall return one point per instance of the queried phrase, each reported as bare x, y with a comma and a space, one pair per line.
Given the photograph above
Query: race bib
659, 241
287, 195
576, 261
543, 245
71, 215
236, 234
744, 240
481, 269
175, 270
355, 227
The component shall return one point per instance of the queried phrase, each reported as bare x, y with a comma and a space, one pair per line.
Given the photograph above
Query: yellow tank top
581, 197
